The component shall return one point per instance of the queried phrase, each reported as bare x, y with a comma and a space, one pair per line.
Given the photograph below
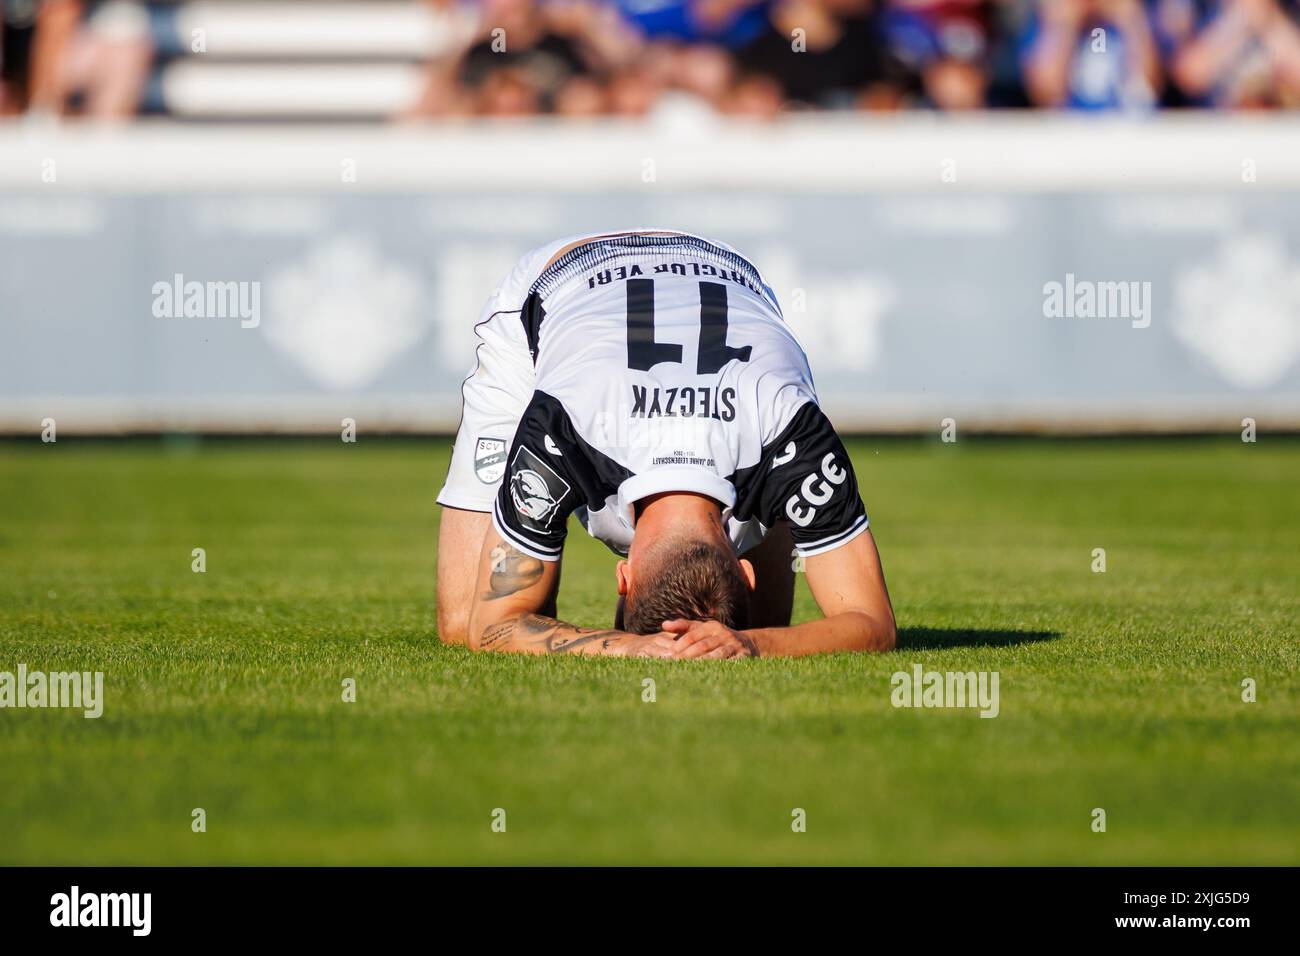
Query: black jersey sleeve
550, 471
804, 478
538, 492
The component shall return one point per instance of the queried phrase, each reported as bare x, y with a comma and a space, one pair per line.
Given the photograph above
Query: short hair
694, 579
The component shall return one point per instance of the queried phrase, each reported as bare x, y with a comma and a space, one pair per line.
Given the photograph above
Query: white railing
1017, 151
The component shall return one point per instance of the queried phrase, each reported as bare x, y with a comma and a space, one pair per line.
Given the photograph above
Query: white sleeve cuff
516, 540
834, 541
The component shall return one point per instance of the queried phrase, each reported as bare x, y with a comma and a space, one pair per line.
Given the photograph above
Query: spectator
755, 97
686, 59
582, 96
520, 62
704, 72
946, 45
1233, 53
1091, 55
634, 90
532, 58
17, 29
727, 23
93, 65
820, 52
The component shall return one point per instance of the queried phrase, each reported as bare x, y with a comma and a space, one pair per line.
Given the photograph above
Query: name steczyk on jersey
699, 402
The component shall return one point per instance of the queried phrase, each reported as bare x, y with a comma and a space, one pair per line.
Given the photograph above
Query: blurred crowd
760, 57
756, 58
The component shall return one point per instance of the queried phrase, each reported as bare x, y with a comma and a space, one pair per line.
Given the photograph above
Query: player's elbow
453, 626
473, 629
479, 624
886, 636
877, 633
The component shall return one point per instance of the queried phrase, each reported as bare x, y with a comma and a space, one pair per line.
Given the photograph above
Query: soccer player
647, 382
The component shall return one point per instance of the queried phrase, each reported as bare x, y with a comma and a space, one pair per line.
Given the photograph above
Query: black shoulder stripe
551, 471
531, 315
598, 475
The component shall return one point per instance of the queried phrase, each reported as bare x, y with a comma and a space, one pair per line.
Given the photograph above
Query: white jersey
661, 363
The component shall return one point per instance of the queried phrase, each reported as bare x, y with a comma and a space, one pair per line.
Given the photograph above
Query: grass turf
1118, 690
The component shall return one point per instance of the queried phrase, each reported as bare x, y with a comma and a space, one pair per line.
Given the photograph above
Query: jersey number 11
643, 352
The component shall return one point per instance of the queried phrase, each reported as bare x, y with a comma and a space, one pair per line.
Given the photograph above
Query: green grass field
1119, 690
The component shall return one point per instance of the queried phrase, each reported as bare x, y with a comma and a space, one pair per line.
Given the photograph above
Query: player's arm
460, 539
849, 587
512, 592
460, 536
519, 557
805, 479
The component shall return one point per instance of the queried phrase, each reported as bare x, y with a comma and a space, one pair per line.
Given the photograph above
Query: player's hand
708, 640
645, 645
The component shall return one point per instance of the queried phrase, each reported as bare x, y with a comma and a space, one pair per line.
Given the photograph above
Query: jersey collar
665, 478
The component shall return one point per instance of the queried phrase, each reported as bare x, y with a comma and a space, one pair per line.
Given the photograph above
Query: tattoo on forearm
512, 572
536, 633
495, 634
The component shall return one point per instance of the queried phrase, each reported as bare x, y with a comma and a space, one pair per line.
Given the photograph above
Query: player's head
681, 565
